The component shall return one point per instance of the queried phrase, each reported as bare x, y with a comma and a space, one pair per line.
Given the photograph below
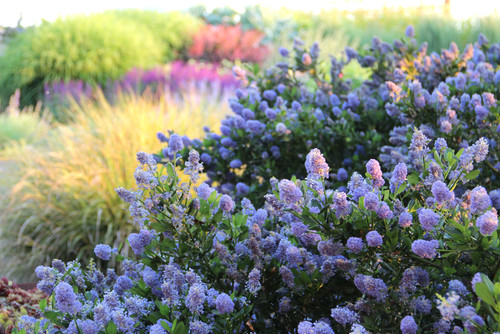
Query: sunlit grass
26, 126
63, 201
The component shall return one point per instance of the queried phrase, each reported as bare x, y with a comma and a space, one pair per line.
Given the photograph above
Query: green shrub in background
174, 31
92, 48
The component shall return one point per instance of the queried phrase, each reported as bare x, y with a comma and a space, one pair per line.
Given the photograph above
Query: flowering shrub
216, 43
389, 253
407, 245
294, 106
281, 115
461, 109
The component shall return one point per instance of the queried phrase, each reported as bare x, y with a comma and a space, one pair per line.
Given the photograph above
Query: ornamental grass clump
63, 201
313, 259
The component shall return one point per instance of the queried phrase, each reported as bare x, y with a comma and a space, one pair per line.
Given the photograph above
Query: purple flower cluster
479, 200
355, 244
103, 252
441, 192
373, 168
289, 192
373, 287
344, 316
139, 241
425, 249
428, 219
408, 325
374, 239
307, 327
66, 299
487, 223
316, 165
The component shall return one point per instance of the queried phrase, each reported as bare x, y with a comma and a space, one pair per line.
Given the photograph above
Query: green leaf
486, 280
449, 156
413, 179
47, 323
212, 197
224, 226
218, 216
485, 243
159, 227
385, 194
361, 203
171, 170
472, 175
401, 188
276, 194
438, 159
180, 328
496, 289
485, 294
449, 270
111, 328
165, 325
239, 220
43, 304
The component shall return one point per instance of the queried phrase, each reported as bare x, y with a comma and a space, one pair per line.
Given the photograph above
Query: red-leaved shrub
216, 43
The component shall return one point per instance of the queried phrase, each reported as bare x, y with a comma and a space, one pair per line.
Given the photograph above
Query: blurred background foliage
97, 48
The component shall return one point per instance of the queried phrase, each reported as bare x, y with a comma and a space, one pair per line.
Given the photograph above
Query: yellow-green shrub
64, 202
174, 31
